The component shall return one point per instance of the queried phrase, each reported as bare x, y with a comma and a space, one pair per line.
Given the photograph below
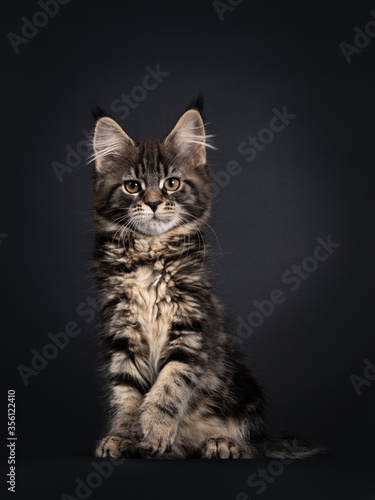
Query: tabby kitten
177, 387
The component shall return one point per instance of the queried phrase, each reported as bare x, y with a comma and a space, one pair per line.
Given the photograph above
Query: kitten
177, 388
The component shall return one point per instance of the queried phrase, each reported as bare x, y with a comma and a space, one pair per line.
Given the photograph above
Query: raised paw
222, 448
115, 447
157, 433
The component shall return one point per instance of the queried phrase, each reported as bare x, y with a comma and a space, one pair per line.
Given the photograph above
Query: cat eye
172, 184
132, 187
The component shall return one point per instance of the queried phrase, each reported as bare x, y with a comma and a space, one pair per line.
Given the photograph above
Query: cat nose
153, 204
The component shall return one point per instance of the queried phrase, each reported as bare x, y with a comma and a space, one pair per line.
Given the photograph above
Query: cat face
151, 187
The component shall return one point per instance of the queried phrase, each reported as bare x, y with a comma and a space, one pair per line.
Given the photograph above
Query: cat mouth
157, 220
160, 218
156, 224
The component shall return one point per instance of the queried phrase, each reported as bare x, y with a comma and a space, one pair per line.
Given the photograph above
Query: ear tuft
197, 104
98, 112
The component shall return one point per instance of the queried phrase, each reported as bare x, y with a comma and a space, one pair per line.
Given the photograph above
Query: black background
314, 179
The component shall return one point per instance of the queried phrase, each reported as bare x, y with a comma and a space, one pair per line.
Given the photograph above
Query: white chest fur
152, 307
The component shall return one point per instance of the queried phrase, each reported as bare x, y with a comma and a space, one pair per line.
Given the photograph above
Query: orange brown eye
172, 184
132, 187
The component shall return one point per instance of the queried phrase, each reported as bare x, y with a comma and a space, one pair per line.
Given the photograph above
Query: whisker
200, 220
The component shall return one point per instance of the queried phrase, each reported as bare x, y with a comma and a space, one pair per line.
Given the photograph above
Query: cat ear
109, 141
189, 137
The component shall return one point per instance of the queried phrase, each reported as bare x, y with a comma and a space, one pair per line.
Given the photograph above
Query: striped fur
176, 386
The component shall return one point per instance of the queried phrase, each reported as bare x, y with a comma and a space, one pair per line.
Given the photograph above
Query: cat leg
121, 440
165, 404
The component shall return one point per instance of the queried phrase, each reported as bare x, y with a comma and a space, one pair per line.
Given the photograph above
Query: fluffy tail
291, 447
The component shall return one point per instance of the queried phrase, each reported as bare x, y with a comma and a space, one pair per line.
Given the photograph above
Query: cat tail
287, 446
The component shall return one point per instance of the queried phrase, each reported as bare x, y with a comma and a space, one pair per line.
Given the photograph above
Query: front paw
157, 432
113, 446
